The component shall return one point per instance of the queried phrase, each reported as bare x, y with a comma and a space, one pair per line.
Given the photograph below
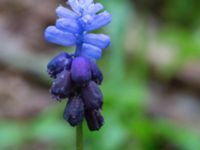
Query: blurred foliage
188, 44
183, 12
127, 124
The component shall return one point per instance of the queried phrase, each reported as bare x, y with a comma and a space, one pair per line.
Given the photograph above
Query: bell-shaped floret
68, 25
92, 96
94, 8
100, 40
94, 119
79, 5
62, 85
99, 21
56, 36
91, 52
97, 75
80, 70
63, 12
74, 111
74, 4
58, 64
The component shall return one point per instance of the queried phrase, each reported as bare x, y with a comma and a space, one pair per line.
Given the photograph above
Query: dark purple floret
97, 75
92, 96
80, 70
58, 63
62, 85
94, 119
74, 111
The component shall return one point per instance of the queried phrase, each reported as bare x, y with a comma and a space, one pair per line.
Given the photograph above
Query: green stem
79, 137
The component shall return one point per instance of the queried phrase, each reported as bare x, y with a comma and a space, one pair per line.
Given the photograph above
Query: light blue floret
68, 25
63, 12
56, 36
99, 21
72, 26
91, 51
100, 40
94, 8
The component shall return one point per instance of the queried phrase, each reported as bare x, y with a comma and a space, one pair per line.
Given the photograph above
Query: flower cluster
77, 76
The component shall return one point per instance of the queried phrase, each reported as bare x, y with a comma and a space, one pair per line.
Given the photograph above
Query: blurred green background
151, 86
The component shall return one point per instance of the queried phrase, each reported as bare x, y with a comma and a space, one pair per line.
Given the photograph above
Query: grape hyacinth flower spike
76, 76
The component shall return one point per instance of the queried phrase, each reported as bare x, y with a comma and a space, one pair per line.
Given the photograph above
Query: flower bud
94, 119
92, 96
62, 85
58, 63
97, 75
74, 111
80, 70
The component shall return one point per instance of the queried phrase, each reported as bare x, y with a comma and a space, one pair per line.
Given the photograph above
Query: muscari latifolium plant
76, 76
